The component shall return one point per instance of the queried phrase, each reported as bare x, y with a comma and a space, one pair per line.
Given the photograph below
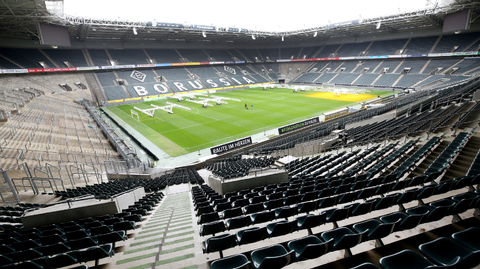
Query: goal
134, 113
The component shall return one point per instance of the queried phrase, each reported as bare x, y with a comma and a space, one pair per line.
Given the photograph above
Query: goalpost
134, 113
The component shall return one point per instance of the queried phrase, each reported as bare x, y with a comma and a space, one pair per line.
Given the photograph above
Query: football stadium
162, 143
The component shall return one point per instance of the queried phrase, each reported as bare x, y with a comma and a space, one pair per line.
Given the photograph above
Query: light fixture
283, 38
135, 31
253, 37
378, 25
204, 34
315, 34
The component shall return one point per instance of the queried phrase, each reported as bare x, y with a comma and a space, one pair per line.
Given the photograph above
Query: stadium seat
275, 256
96, 253
219, 243
251, 235
375, 229
212, 228
208, 217
343, 237
282, 227
309, 247
285, 212
62, 260
365, 265
407, 259
233, 212
85, 242
469, 238
447, 252
307, 207
263, 216
406, 221
310, 221
238, 222
238, 261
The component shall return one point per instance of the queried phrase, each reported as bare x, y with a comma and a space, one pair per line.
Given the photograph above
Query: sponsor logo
297, 125
229, 70
137, 75
232, 145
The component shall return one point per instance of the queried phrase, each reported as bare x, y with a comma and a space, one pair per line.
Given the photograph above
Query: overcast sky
259, 15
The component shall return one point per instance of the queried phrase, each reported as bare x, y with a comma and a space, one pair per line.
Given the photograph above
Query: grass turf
188, 131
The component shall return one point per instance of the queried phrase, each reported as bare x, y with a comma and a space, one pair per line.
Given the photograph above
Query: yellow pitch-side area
342, 97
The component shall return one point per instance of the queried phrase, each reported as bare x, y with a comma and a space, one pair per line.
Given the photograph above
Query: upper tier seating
28, 58
420, 45
99, 57
74, 57
128, 56
164, 55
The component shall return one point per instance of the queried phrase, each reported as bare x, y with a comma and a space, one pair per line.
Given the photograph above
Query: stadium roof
19, 19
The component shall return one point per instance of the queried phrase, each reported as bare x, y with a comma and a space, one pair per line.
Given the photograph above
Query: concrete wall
80, 209
387, 116
233, 185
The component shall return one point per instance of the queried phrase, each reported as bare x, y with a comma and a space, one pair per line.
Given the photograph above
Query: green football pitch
188, 131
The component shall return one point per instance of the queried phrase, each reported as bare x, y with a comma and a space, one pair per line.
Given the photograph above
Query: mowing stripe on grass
176, 249
177, 241
137, 258
139, 249
176, 259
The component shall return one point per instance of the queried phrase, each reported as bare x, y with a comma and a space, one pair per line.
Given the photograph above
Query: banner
230, 146
298, 125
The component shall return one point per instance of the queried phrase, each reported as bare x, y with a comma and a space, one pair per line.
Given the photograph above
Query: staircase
460, 166
87, 57
398, 79
48, 57
429, 159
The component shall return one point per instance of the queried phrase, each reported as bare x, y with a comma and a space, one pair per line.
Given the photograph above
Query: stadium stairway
464, 160
429, 159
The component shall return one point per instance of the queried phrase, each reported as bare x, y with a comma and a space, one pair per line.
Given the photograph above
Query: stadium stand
420, 45
393, 184
328, 51
164, 55
288, 53
451, 43
386, 47
272, 54
193, 55
75, 58
354, 49
219, 55
128, 56
28, 58
99, 57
